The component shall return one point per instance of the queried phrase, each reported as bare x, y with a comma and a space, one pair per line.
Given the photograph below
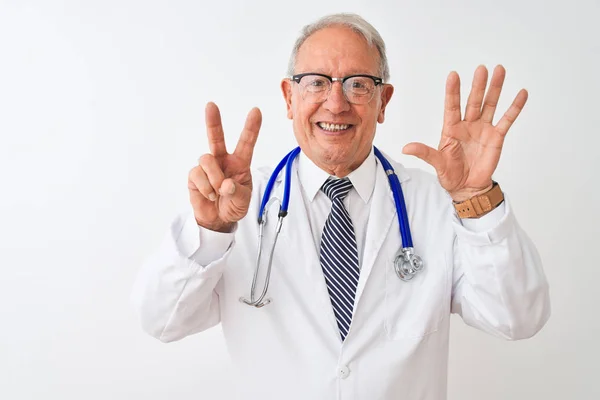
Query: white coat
397, 346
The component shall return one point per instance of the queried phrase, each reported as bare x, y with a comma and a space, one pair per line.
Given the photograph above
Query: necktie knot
336, 189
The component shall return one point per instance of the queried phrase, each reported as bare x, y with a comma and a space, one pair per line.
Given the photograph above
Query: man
341, 324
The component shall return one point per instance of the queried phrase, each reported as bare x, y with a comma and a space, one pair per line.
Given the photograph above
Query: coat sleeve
499, 285
175, 291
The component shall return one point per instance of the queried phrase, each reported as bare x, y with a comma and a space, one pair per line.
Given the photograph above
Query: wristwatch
480, 205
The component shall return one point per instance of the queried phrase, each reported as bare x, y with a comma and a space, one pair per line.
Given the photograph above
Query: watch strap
480, 205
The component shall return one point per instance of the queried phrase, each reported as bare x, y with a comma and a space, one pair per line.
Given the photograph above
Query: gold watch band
478, 206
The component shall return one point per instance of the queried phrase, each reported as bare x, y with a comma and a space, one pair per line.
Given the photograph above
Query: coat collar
313, 177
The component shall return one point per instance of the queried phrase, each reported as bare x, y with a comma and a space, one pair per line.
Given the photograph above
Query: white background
102, 116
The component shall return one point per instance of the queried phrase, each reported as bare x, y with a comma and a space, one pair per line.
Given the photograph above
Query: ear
386, 94
286, 89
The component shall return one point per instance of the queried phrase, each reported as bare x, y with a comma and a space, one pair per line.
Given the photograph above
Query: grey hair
353, 21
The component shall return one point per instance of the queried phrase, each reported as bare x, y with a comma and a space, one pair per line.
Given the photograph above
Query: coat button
343, 371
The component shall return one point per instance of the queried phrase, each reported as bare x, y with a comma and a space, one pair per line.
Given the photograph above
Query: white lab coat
397, 346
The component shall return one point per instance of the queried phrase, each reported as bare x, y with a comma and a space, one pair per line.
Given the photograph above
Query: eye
317, 82
356, 84
359, 85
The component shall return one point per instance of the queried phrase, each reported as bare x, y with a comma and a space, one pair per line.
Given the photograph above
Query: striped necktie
339, 254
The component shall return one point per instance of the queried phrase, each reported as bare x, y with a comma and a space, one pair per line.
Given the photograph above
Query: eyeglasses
358, 89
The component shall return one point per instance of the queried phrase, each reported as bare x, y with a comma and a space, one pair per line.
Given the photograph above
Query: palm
470, 151
470, 148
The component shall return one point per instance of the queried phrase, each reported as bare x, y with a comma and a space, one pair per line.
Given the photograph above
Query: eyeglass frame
378, 81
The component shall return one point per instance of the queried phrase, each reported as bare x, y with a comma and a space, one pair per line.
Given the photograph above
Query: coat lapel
381, 218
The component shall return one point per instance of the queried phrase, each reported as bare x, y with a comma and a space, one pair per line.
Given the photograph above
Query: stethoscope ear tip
264, 303
254, 303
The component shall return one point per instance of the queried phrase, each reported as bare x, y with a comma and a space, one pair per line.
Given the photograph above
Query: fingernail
212, 197
232, 189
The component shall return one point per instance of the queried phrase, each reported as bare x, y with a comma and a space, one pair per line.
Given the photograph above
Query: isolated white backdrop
101, 117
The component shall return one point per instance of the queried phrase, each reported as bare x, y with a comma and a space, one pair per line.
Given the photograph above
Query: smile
333, 127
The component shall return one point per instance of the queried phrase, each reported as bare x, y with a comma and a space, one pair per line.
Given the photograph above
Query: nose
336, 103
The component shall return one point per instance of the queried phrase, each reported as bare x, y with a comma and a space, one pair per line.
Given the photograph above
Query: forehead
337, 51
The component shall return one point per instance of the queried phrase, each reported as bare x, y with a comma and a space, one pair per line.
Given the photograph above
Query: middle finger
473, 110
493, 94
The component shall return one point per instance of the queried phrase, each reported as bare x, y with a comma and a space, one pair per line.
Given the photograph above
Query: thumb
228, 188
428, 154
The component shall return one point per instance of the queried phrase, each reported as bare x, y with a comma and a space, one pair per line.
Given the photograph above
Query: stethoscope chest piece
407, 264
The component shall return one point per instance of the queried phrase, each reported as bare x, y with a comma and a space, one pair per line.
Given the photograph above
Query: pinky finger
512, 113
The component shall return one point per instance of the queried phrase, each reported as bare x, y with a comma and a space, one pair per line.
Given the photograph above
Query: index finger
452, 100
245, 146
214, 130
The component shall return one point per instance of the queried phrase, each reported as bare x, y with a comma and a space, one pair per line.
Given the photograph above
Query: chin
334, 154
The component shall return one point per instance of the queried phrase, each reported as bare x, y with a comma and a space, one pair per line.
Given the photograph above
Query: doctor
341, 324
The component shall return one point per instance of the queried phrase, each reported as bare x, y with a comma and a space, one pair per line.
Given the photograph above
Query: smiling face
335, 134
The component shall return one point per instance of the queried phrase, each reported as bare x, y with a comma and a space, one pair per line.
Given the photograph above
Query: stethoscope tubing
396, 188
271, 182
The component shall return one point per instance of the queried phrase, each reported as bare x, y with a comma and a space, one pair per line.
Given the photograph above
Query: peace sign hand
220, 186
469, 149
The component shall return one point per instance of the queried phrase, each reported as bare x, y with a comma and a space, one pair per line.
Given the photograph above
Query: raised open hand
221, 185
470, 148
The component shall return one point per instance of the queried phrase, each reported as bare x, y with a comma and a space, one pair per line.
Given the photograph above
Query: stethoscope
406, 263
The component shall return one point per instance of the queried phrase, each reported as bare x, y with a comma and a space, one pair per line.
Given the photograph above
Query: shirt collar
362, 178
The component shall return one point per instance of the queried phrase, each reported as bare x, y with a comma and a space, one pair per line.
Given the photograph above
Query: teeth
333, 127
